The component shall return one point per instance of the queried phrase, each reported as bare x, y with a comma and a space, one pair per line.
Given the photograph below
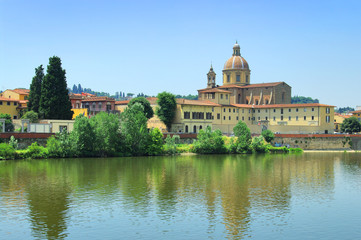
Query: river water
303, 196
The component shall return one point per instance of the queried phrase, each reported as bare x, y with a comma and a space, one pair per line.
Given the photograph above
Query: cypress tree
54, 101
35, 89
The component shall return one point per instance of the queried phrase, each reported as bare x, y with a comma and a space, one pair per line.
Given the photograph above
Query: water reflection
230, 191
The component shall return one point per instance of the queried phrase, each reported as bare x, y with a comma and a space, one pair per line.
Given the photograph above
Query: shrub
244, 139
36, 151
7, 151
13, 142
258, 145
31, 115
268, 135
155, 146
232, 145
170, 146
209, 142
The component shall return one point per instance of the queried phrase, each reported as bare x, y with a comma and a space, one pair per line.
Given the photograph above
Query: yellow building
260, 106
338, 120
10, 106
18, 94
357, 114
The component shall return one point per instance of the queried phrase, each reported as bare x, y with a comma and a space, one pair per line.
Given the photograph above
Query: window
327, 110
249, 110
1, 103
242, 110
186, 130
313, 118
242, 118
289, 118
228, 78
267, 101
226, 96
218, 116
281, 110
259, 118
15, 103
224, 117
234, 110
229, 118
259, 111
187, 115
238, 78
304, 118
274, 118
313, 109
256, 102
246, 101
296, 118
208, 115
237, 110
266, 118
194, 129
229, 110
274, 110
281, 118
289, 110
296, 109
327, 119
9, 103
212, 109
249, 118
224, 110
253, 110
305, 109
237, 118
221, 95
266, 110
15, 117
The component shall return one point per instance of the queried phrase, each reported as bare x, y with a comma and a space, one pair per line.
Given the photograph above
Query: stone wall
26, 139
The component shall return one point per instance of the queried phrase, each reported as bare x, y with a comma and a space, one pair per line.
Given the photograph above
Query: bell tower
211, 78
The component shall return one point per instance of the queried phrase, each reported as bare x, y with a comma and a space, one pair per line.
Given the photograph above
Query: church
261, 106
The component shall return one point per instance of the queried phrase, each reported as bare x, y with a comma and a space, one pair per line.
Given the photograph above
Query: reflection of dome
236, 62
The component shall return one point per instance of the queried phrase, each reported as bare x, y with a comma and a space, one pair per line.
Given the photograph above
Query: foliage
344, 110
258, 145
31, 115
13, 142
7, 151
268, 135
155, 145
54, 100
9, 126
231, 145
167, 108
185, 148
209, 142
351, 125
134, 129
62, 145
189, 96
170, 145
244, 138
148, 110
301, 99
35, 89
107, 133
83, 135
36, 151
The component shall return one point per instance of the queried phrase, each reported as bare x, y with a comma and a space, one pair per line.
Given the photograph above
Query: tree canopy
148, 110
302, 99
244, 138
54, 100
9, 126
351, 125
344, 110
167, 108
35, 89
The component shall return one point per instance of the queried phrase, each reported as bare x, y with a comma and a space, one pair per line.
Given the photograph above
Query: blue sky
154, 46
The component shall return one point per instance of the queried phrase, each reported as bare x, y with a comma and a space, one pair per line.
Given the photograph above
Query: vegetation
9, 126
167, 108
54, 99
209, 142
189, 96
31, 115
301, 99
268, 135
344, 110
7, 151
35, 89
244, 138
148, 110
351, 125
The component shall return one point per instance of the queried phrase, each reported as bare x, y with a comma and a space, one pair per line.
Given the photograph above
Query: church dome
236, 62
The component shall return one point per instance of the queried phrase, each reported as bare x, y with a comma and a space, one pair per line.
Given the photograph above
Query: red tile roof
210, 90
122, 102
358, 111
256, 85
21, 91
97, 99
183, 101
8, 99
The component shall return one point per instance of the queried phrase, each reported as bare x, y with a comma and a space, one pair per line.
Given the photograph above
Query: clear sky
155, 46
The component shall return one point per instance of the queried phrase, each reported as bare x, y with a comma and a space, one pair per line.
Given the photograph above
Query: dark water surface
307, 196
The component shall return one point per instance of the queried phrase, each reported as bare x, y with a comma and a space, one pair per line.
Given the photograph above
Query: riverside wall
26, 139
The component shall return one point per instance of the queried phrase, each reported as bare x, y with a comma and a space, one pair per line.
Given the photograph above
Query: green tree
9, 126
107, 133
35, 89
244, 138
134, 129
148, 110
209, 142
31, 115
351, 125
268, 135
83, 135
258, 145
54, 100
167, 108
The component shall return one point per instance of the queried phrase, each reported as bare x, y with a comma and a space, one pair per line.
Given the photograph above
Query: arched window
267, 101
256, 102
186, 129
195, 129
200, 127
246, 101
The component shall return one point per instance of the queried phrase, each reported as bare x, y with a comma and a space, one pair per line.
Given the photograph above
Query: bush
155, 146
13, 142
268, 135
244, 138
36, 151
209, 142
258, 145
170, 146
83, 135
7, 151
31, 115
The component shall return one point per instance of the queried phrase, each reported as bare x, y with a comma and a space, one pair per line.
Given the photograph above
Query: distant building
14, 102
356, 114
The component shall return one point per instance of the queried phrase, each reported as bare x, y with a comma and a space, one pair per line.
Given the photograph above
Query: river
295, 196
